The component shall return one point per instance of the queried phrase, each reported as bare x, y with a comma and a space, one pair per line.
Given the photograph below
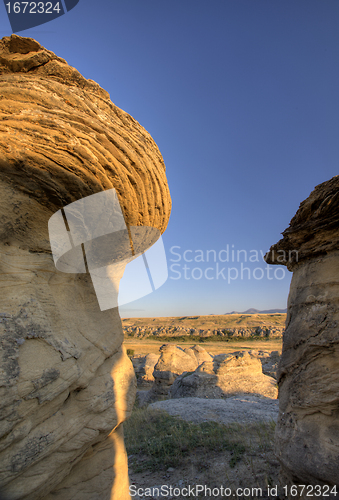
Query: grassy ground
166, 450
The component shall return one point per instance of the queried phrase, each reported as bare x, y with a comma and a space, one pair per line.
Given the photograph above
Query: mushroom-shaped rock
66, 384
307, 436
224, 376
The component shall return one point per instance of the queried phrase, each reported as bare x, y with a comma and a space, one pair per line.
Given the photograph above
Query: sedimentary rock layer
224, 376
150, 331
66, 385
307, 436
61, 138
313, 230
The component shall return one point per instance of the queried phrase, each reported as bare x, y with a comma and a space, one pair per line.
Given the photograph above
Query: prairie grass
164, 441
166, 448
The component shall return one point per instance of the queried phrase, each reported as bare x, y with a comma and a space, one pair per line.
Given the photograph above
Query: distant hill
256, 311
222, 321
219, 327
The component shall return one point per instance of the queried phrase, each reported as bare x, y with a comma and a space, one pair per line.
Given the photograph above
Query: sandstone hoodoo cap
62, 139
313, 231
64, 144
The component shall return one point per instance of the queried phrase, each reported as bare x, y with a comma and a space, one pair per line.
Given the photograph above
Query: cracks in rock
37, 66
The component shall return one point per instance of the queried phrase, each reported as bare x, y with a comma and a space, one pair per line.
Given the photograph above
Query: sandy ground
240, 409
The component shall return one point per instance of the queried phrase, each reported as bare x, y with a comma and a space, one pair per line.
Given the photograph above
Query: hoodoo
66, 385
307, 435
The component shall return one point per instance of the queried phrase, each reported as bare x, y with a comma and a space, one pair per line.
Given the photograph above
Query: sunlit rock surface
66, 384
223, 376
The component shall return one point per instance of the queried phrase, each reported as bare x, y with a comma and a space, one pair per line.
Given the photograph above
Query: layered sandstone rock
198, 353
307, 436
269, 361
253, 332
66, 385
224, 376
63, 139
172, 362
144, 367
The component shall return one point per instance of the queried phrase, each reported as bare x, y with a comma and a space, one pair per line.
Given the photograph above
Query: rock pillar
66, 384
307, 434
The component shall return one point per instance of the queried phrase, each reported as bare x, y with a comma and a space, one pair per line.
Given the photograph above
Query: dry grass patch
163, 449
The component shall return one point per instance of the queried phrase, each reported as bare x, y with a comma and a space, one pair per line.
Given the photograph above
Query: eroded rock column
307, 435
66, 384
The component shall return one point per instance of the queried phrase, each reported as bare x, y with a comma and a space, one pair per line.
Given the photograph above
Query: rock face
143, 368
172, 362
226, 375
63, 139
66, 385
198, 353
307, 435
229, 333
269, 361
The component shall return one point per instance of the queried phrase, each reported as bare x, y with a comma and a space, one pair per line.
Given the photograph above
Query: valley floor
141, 347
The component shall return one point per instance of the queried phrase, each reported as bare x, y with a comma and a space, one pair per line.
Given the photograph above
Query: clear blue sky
241, 97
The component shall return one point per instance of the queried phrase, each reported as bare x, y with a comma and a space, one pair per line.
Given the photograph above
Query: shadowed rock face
143, 368
66, 385
307, 436
172, 362
223, 376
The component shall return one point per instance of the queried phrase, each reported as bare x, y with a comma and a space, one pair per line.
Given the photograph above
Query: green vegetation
196, 339
158, 441
130, 352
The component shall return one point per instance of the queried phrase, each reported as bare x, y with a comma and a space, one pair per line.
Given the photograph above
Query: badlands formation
194, 373
307, 435
225, 375
66, 384
213, 327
